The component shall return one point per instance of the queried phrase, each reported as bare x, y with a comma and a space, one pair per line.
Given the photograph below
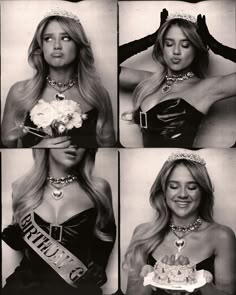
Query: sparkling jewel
191, 227
183, 15
57, 194
61, 180
175, 79
60, 96
59, 12
179, 244
66, 85
187, 156
166, 88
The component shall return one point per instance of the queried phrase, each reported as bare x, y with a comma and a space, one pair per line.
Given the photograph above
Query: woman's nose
57, 44
176, 49
183, 193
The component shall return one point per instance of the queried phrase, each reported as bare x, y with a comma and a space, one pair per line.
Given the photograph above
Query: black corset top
170, 123
76, 234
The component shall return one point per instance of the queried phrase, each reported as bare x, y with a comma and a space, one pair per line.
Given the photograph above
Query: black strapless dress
35, 277
85, 136
171, 123
206, 264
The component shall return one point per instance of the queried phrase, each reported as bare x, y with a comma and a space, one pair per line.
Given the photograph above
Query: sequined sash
67, 265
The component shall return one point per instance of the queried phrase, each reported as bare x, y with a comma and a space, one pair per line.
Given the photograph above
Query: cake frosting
174, 271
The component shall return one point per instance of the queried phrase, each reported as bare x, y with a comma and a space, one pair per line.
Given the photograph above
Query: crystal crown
187, 156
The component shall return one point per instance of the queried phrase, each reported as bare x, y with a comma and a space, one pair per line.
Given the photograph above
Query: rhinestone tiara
61, 12
187, 156
183, 15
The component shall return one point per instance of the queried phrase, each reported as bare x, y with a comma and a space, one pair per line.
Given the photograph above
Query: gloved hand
209, 40
129, 49
11, 235
95, 273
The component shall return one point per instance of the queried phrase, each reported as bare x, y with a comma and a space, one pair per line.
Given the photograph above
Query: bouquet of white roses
55, 118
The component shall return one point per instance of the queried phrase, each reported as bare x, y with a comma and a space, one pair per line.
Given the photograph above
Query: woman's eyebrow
171, 39
51, 34
177, 181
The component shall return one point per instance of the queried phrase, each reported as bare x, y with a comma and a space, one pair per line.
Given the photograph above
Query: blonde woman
63, 223
183, 230
62, 57
170, 105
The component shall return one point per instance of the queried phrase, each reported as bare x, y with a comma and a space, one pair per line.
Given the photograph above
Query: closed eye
192, 188
169, 44
172, 186
185, 44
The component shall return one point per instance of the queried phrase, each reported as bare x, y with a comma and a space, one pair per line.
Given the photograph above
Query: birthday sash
67, 265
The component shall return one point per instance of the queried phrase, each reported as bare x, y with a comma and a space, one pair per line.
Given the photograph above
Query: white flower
57, 116
42, 114
76, 121
61, 128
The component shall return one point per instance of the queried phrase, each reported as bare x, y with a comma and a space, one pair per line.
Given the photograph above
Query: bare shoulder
19, 86
222, 234
103, 184
17, 89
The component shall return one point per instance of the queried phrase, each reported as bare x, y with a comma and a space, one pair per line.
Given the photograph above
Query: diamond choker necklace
58, 184
175, 79
190, 227
60, 85
180, 242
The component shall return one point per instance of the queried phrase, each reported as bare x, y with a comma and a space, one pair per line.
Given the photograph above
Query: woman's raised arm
130, 78
129, 49
214, 45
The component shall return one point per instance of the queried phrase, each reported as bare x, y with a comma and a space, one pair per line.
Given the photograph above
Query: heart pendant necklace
170, 80
57, 193
180, 242
61, 87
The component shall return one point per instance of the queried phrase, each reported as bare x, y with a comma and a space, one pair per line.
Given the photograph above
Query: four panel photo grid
118, 147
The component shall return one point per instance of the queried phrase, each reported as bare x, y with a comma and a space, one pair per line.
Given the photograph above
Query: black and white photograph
59, 72
118, 147
177, 74
65, 202
178, 221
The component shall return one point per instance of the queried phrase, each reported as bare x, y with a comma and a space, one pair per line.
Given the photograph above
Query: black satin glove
96, 274
129, 49
209, 40
11, 235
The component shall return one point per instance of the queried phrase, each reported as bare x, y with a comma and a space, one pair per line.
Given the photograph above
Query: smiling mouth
182, 204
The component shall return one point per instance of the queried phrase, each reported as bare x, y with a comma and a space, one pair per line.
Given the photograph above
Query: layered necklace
180, 242
170, 80
58, 184
62, 87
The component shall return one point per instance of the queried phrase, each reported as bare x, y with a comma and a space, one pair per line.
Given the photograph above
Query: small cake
171, 271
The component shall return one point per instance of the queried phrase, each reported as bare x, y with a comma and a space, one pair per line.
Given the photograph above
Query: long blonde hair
89, 84
199, 64
148, 236
28, 190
